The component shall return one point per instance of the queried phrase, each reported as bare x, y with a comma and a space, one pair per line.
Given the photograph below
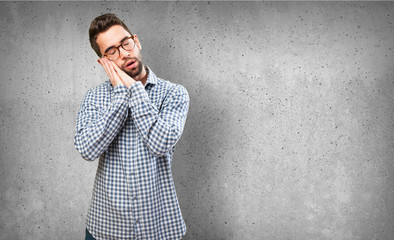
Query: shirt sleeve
162, 129
97, 127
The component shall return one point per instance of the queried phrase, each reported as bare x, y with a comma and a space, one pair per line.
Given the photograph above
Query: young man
132, 123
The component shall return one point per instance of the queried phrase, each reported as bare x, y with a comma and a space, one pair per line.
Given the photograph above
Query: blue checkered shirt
133, 133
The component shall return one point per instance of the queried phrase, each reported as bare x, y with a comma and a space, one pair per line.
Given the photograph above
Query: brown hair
101, 24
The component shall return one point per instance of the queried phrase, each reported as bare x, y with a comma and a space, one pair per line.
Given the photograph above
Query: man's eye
126, 43
111, 51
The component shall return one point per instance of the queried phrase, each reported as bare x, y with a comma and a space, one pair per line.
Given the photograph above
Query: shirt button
137, 221
135, 198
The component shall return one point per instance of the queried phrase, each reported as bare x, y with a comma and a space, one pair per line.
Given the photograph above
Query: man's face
128, 61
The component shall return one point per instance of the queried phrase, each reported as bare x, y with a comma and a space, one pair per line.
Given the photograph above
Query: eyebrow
106, 50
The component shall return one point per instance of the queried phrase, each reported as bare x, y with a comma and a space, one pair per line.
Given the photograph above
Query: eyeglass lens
127, 45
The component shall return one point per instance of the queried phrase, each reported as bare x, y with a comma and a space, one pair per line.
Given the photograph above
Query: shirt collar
152, 79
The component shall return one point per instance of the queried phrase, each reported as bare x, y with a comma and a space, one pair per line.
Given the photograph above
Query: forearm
96, 130
159, 130
158, 135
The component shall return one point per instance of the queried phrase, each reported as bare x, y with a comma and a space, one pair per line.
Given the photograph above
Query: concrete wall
290, 130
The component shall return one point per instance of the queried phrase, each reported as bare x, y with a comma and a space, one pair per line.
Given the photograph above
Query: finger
106, 68
120, 72
115, 77
115, 68
124, 77
115, 74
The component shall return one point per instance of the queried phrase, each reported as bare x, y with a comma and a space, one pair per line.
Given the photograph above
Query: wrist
131, 84
120, 89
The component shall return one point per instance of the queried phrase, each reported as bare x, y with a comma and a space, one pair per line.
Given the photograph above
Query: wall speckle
290, 130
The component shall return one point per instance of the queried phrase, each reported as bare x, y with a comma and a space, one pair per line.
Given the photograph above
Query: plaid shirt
134, 132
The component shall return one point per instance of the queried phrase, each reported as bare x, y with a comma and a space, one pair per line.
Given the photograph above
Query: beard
136, 70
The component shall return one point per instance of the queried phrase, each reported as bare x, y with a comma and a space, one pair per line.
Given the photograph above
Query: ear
137, 42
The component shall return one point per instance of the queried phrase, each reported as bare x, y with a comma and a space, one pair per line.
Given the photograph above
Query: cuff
121, 89
138, 94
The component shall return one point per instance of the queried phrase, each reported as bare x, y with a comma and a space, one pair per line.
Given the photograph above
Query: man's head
111, 38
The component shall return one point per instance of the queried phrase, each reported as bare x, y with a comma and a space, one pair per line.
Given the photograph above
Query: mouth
130, 64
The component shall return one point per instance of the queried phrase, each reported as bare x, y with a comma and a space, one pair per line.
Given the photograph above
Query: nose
123, 53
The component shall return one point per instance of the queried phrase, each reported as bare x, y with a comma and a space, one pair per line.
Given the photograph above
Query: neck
142, 77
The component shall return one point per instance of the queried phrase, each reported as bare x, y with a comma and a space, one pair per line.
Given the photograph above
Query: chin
136, 71
133, 73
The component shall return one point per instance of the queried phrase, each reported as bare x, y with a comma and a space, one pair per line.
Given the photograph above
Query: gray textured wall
290, 129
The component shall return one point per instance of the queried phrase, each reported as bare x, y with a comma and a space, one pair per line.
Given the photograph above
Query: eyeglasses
114, 52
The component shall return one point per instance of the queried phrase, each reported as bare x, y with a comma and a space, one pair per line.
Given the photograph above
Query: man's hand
113, 76
116, 75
